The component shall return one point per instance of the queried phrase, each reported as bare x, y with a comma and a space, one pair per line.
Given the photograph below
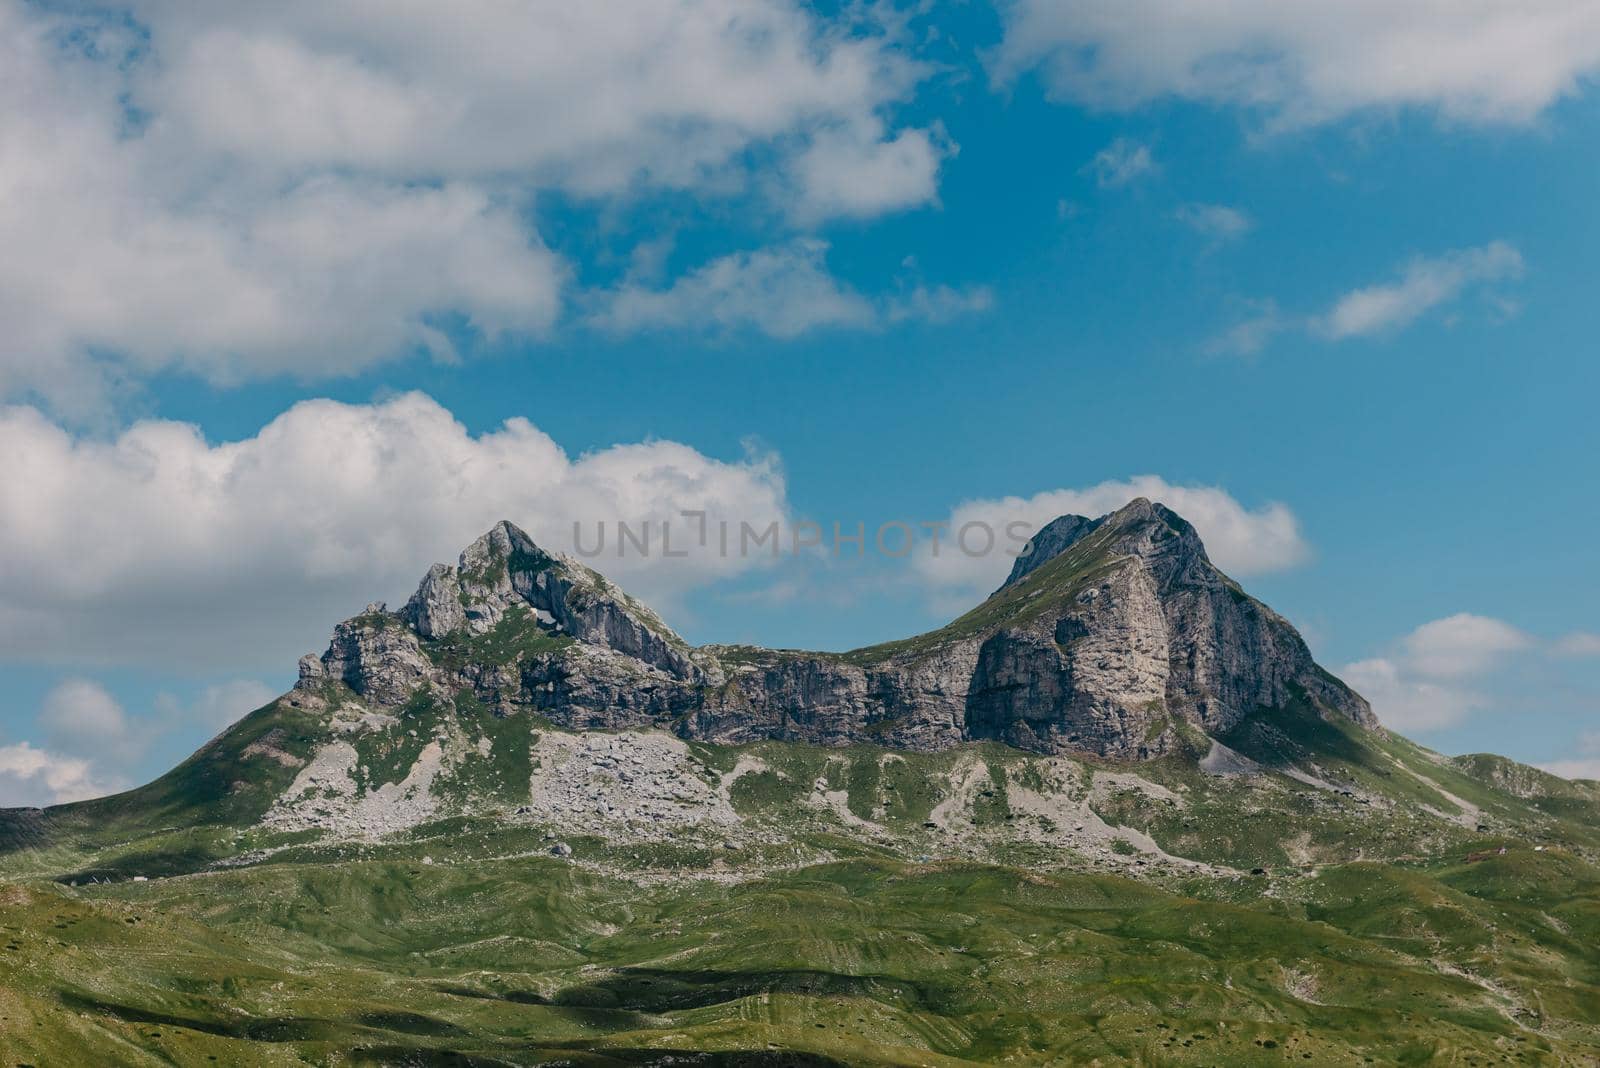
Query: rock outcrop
1111, 636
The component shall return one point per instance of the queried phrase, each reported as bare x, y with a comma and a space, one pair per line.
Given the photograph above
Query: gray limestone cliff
1111, 636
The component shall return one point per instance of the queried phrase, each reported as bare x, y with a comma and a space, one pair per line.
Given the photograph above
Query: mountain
1114, 814
1110, 637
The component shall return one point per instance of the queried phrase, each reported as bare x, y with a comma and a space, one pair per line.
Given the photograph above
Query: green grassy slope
940, 912
529, 960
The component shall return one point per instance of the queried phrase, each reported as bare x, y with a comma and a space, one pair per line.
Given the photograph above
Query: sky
299, 299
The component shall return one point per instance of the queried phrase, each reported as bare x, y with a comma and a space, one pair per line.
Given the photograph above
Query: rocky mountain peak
505, 597
1114, 636
1140, 528
1052, 539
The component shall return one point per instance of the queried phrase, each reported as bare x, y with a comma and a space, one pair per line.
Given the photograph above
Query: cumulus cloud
237, 555
1462, 645
857, 173
240, 190
593, 97
1215, 221
80, 717
1242, 541
1121, 162
1406, 701
30, 776
1305, 63
1424, 284
93, 744
784, 292
1426, 684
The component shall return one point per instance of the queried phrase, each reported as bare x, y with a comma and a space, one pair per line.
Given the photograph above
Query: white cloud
1462, 645
160, 545
1585, 767
242, 190
1407, 701
1215, 221
595, 97
1425, 684
1240, 540
859, 173
30, 776
93, 745
1255, 332
1121, 162
1574, 769
1424, 284
79, 717
784, 291
936, 304
1578, 644
1300, 63
117, 244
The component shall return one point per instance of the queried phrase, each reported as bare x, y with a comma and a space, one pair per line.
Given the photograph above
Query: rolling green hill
845, 906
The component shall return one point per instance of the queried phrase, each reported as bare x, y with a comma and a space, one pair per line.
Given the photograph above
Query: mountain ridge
1107, 641
1131, 647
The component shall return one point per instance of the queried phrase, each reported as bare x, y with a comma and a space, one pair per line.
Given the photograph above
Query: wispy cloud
783, 291
1422, 285
1578, 644
1253, 333
1427, 682
1121, 162
1215, 221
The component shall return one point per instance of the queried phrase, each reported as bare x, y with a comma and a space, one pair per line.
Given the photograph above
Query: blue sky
286, 276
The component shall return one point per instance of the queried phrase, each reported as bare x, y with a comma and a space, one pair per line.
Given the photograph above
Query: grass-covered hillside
452, 887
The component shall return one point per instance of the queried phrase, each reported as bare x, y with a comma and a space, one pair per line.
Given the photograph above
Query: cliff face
1110, 637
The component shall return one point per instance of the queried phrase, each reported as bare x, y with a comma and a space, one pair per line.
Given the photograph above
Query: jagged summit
1146, 528
504, 571
1053, 539
1113, 636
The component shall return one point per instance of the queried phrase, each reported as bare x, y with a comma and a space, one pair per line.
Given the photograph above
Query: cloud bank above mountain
158, 544
338, 186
